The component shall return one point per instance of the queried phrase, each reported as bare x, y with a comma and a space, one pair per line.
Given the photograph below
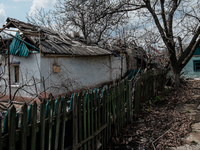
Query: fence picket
120, 104
75, 120
109, 120
127, 102
114, 109
64, 107
124, 102
12, 127
33, 126
88, 119
105, 115
29, 115
58, 109
5, 123
137, 95
117, 107
23, 129
42, 124
130, 102
103, 120
95, 117
98, 116
80, 122
50, 123
92, 118
84, 120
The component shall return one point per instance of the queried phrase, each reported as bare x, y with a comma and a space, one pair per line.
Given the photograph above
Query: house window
196, 64
16, 74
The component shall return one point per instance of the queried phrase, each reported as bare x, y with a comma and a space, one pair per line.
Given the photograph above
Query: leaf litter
159, 125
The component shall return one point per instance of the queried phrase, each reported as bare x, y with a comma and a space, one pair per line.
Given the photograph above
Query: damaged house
42, 60
136, 57
192, 69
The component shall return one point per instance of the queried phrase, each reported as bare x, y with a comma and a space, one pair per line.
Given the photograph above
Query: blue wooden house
192, 69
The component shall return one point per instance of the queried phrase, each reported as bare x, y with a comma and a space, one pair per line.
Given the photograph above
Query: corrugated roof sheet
53, 42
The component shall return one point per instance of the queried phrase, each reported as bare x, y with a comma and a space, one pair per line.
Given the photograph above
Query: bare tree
91, 19
175, 21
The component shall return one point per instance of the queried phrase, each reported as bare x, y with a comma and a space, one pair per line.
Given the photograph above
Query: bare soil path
169, 121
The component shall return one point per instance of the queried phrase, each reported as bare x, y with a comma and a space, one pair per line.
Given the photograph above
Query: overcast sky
19, 8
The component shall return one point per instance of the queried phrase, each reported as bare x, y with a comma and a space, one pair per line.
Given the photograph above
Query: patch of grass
166, 91
188, 111
148, 109
193, 130
194, 142
158, 99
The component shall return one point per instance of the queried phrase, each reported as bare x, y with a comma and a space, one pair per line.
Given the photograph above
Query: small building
42, 60
192, 69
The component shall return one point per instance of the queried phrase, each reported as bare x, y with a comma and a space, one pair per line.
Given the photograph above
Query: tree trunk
176, 78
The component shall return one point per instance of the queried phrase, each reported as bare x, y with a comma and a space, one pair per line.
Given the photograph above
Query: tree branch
189, 50
163, 15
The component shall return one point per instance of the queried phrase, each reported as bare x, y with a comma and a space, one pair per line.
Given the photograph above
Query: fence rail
93, 117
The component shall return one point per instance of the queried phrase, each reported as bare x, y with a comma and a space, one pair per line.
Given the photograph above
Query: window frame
196, 65
15, 73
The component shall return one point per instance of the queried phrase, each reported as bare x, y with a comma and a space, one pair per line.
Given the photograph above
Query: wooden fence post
42, 124
127, 102
154, 82
120, 105
103, 120
107, 114
88, 119
95, 117
80, 123
23, 128
64, 107
110, 101
137, 95
57, 122
130, 102
33, 126
92, 117
50, 123
114, 109
84, 120
12, 127
75, 121
98, 114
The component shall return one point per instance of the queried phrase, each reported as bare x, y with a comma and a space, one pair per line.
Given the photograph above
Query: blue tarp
18, 48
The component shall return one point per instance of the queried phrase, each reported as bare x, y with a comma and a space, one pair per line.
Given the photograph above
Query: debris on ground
159, 124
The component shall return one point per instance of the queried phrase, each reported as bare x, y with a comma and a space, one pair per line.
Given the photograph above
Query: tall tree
177, 22
91, 19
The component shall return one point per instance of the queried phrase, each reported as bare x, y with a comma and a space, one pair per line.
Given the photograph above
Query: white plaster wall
79, 72
75, 73
116, 68
28, 68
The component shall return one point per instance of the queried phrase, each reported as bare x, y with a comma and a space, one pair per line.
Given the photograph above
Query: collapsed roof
31, 38
120, 46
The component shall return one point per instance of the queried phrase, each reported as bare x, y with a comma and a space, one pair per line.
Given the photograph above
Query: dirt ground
163, 122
